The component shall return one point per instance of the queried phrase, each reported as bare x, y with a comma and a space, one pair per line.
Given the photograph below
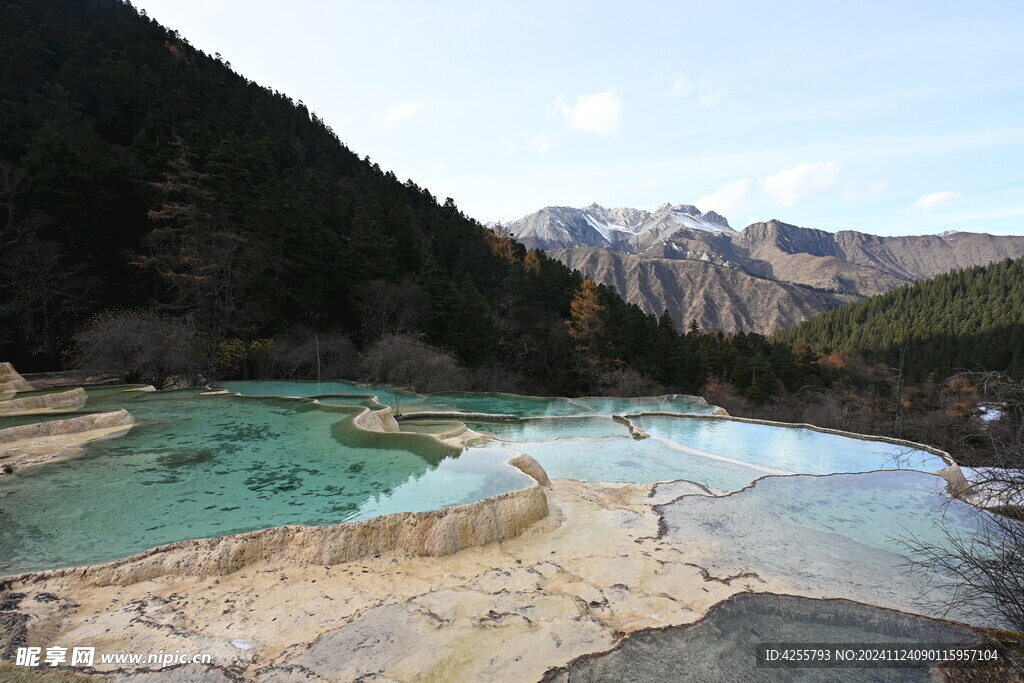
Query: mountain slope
137, 172
718, 298
848, 264
860, 263
966, 319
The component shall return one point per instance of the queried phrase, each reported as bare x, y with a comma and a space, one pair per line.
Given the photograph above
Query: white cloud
595, 113
934, 200
539, 144
403, 111
709, 98
860, 190
707, 94
790, 185
726, 199
682, 85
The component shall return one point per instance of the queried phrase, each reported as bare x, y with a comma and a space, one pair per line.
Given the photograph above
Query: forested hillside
157, 203
966, 319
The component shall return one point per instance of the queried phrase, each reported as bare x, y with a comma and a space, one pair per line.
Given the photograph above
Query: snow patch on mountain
620, 229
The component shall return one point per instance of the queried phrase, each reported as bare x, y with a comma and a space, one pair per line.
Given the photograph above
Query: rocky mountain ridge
623, 229
678, 258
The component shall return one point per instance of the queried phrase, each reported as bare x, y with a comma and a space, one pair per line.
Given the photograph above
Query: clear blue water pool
842, 535
789, 449
624, 459
543, 429
198, 466
723, 454
385, 395
467, 402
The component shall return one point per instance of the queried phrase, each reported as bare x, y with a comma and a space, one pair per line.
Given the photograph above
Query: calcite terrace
509, 587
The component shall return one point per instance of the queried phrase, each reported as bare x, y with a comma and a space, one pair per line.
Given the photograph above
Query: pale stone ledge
11, 381
57, 402
434, 533
377, 421
34, 444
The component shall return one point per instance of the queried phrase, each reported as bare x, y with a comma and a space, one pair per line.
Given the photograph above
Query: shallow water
721, 647
469, 402
19, 420
723, 454
385, 395
428, 427
198, 466
497, 404
789, 449
842, 535
543, 429
98, 399
29, 394
671, 403
625, 459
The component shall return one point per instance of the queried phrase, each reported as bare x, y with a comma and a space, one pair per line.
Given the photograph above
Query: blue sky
885, 117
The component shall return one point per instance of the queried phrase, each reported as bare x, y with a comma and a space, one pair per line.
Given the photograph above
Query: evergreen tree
965, 319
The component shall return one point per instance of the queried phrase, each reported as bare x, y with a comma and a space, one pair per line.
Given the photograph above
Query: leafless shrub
985, 572
406, 361
626, 382
309, 355
494, 378
987, 569
141, 346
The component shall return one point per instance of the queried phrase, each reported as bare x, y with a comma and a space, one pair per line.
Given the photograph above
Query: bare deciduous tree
141, 346
406, 361
986, 570
626, 382
310, 355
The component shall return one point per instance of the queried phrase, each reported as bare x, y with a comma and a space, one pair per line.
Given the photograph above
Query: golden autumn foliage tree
502, 243
586, 324
532, 262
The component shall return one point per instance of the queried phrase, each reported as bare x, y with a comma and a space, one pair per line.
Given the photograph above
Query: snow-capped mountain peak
621, 229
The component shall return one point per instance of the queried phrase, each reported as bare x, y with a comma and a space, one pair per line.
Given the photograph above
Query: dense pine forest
967, 319
163, 215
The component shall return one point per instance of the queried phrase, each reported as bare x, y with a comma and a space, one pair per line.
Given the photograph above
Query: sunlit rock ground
604, 563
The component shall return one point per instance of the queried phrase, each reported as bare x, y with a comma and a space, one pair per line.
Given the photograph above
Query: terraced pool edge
958, 486
431, 533
437, 532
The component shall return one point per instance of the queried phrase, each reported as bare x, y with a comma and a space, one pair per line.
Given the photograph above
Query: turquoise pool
495, 404
795, 450
197, 466
624, 459
544, 429
724, 454
385, 394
